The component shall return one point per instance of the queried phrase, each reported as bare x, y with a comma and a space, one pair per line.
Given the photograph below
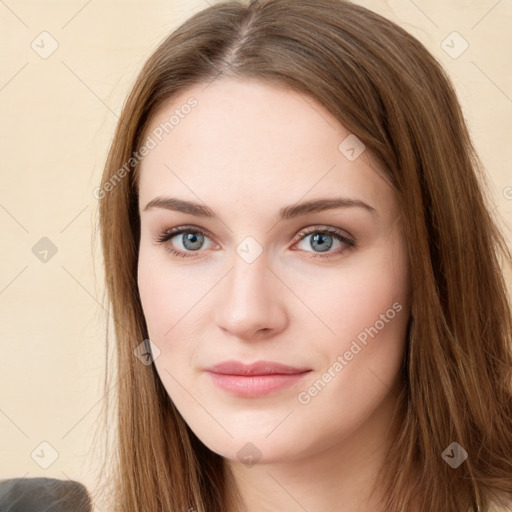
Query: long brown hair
385, 87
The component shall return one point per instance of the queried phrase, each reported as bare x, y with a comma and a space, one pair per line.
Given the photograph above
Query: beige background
57, 118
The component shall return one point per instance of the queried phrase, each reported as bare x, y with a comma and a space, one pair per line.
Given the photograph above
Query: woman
304, 275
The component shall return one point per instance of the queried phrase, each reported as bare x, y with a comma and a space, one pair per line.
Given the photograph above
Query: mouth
257, 379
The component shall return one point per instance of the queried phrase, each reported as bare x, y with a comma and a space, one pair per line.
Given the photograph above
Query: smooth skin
247, 150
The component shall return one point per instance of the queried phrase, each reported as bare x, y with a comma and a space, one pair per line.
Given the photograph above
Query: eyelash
164, 237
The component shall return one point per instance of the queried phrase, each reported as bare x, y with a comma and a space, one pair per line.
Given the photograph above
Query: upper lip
257, 368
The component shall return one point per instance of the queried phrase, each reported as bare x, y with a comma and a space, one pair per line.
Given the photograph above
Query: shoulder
49, 494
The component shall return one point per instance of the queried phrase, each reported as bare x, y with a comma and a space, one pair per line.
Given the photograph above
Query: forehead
258, 140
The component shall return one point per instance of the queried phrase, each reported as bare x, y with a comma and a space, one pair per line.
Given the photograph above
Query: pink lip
257, 379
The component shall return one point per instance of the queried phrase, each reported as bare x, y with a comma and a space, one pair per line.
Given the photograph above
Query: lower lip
255, 385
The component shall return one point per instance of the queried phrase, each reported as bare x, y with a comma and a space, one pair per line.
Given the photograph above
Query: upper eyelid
179, 230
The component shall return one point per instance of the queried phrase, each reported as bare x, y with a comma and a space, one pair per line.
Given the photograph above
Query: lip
257, 379
257, 368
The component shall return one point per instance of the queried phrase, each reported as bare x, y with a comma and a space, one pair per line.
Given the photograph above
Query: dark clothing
43, 495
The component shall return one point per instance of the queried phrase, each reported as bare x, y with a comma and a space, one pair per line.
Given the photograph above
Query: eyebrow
286, 213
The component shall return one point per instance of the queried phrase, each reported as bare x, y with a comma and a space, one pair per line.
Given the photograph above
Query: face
272, 272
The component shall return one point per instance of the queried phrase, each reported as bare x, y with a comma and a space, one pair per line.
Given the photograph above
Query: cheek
165, 302
168, 292
354, 295
156, 298
367, 307
176, 310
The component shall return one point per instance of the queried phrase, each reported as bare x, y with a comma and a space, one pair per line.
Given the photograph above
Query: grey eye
192, 241
321, 242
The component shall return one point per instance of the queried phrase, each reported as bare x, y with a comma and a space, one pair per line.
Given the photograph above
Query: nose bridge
250, 299
249, 277
248, 286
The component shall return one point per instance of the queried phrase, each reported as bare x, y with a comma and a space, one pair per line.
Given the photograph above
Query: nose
251, 303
